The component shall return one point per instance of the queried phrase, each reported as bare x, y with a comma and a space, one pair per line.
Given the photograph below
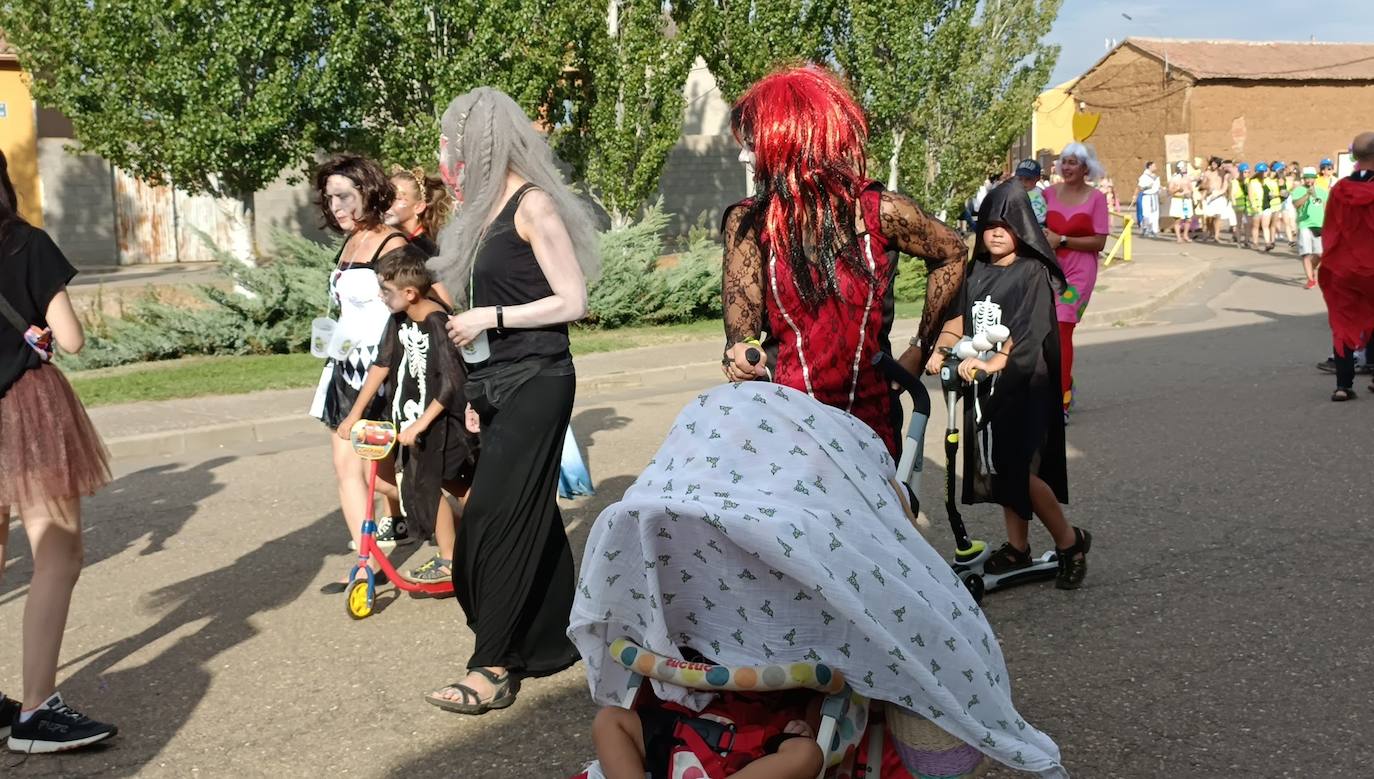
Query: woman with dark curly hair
355, 194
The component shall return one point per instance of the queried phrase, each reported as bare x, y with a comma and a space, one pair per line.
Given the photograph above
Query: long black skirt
513, 567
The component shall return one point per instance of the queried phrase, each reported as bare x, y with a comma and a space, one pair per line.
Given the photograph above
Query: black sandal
472, 703
1343, 394
1073, 562
1008, 558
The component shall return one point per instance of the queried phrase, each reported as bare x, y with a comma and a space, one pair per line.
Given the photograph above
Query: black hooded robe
1013, 420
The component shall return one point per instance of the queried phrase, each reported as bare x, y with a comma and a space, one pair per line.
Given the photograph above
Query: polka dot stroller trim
768, 529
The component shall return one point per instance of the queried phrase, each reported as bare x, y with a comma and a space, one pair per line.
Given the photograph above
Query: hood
1009, 205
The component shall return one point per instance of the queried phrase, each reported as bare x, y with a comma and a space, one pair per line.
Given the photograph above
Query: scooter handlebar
894, 371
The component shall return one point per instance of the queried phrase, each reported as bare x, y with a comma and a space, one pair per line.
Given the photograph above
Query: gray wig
489, 134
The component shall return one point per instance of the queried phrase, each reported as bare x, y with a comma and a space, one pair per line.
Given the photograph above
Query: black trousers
1345, 364
512, 566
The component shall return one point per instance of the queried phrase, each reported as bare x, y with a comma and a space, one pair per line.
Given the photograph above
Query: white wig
489, 134
1084, 154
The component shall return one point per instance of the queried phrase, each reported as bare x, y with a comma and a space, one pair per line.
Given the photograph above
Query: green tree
215, 97
898, 54
745, 39
410, 59
634, 69
971, 114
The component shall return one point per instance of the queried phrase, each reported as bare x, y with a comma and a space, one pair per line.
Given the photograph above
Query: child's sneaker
392, 531
57, 727
1008, 558
1073, 562
9, 712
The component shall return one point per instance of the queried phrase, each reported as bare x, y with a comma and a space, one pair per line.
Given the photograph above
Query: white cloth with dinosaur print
767, 528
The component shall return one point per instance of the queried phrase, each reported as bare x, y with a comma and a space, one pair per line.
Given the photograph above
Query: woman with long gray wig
517, 256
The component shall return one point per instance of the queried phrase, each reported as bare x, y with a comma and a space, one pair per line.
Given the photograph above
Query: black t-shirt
32, 271
424, 243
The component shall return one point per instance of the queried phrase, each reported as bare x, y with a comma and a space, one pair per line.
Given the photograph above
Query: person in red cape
811, 259
1347, 270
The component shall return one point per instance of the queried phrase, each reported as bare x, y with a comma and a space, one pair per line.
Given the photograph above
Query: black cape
1013, 421
425, 366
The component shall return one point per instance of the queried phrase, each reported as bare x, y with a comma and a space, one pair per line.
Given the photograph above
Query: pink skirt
48, 447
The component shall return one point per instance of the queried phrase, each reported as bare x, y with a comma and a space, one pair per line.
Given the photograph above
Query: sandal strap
470, 696
491, 677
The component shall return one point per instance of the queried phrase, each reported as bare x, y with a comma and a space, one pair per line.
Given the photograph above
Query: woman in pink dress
1077, 226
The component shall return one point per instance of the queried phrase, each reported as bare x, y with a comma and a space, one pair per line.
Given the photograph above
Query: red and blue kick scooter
373, 441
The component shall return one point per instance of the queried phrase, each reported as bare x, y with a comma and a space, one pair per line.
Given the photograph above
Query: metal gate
162, 224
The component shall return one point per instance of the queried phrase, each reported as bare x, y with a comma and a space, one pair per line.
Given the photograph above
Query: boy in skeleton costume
1015, 455
425, 386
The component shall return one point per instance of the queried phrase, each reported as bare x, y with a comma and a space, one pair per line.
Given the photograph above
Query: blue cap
1327, 163
1244, 166
1028, 169
1278, 166
1260, 167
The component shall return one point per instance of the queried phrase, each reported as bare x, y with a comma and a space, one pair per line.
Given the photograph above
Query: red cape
1347, 264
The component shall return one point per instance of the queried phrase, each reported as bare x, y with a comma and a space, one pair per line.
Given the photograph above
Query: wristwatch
915, 342
1063, 241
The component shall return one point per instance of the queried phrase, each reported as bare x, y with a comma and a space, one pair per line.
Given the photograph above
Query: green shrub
910, 286
636, 287
284, 294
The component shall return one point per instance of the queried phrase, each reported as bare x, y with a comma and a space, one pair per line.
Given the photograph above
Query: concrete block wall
703, 176
78, 203
288, 207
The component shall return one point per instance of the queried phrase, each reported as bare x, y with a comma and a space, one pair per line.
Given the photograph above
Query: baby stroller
858, 737
858, 741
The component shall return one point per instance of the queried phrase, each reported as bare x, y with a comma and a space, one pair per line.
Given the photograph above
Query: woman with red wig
769, 527
810, 260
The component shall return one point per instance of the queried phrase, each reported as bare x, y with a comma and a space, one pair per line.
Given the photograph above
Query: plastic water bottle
478, 351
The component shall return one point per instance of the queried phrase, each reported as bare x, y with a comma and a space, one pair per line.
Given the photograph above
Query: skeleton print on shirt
408, 404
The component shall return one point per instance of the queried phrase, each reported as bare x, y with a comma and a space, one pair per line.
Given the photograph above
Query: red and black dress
827, 350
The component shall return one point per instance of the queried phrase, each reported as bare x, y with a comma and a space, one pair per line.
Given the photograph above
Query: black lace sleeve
741, 280
919, 234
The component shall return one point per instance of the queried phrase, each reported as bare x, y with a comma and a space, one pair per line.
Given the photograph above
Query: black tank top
506, 273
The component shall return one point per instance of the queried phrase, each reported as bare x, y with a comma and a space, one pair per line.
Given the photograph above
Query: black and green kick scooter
970, 555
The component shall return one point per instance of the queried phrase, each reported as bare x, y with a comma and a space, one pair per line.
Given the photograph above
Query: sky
1084, 26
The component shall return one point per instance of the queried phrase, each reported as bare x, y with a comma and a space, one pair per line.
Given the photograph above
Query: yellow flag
1084, 125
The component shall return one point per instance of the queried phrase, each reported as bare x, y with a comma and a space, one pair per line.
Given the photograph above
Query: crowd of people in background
1223, 201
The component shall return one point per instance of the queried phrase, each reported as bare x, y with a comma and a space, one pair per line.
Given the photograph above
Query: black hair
9, 202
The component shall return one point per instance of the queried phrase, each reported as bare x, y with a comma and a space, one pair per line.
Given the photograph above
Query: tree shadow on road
140, 506
158, 697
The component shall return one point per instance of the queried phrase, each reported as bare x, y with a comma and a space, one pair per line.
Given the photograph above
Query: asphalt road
1223, 631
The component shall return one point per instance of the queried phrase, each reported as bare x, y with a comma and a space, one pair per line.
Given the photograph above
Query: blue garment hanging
573, 476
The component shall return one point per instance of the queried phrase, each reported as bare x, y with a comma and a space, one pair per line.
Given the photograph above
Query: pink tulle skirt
48, 447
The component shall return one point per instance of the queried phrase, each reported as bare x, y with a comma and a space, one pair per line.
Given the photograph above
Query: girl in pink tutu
50, 456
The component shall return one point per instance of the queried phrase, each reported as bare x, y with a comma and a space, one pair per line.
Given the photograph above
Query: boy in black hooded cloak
1015, 455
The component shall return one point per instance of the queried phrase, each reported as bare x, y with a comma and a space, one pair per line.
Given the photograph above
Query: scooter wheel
359, 600
974, 583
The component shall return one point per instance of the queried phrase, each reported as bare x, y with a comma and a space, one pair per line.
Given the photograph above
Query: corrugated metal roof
1262, 60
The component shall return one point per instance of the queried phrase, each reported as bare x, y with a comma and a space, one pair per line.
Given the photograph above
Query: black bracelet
500, 319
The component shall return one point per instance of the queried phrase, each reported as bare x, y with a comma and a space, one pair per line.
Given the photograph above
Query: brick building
1167, 100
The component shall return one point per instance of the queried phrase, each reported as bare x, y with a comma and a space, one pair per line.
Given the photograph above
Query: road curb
1111, 316
171, 443
205, 438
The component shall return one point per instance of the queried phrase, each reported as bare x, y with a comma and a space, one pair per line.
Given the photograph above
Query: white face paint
746, 155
